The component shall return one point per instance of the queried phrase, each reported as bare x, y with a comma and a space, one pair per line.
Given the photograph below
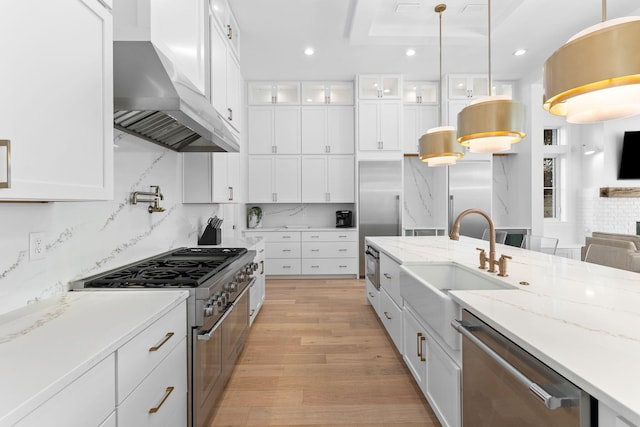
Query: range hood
154, 101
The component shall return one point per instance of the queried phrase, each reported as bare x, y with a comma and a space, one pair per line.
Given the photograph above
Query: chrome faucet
155, 201
455, 235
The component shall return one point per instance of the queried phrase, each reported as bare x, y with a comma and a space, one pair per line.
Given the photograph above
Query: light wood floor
317, 355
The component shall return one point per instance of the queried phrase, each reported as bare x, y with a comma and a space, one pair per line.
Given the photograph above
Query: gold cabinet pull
262, 267
253, 310
161, 343
167, 392
387, 315
422, 358
418, 342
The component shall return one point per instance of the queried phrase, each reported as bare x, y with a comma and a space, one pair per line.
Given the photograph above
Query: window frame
558, 152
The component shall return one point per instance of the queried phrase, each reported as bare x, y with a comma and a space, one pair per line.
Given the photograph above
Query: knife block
210, 236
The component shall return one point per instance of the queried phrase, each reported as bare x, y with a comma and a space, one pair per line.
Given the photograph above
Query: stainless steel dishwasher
503, 385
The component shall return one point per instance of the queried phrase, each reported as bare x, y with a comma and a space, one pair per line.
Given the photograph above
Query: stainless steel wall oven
218, 281
372, 266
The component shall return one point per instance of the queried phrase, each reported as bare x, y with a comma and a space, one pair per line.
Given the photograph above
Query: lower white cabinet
443, 385
415, 348
607, 417
88, 401
391, 316
257, 291
161, 398
324, 252
373, 296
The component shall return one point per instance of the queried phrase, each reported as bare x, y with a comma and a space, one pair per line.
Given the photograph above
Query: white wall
85, 238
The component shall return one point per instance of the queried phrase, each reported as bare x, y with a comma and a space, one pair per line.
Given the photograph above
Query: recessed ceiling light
519, 52
309, 51
410, 52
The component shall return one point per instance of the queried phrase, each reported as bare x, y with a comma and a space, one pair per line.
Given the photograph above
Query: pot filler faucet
502, 263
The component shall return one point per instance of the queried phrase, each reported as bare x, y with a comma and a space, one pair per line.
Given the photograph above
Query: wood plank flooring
317, 355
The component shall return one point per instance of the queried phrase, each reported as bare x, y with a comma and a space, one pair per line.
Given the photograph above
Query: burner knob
221, 299
231, 287
254, 266
209, 310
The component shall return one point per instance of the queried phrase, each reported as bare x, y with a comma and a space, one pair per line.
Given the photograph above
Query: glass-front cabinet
468, 87
420, 92
335, 93
283, 93
379, 86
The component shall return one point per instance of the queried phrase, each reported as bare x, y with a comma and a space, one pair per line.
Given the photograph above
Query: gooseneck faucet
455, 235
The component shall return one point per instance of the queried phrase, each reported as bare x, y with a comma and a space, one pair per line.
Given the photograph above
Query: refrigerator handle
399, 215
450, 212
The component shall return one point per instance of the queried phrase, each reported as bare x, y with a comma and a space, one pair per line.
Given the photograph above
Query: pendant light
491, 124
438, 147
595, 76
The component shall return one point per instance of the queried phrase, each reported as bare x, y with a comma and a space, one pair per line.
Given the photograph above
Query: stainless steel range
218, 280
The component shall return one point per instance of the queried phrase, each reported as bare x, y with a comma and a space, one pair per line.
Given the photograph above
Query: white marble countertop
47, 345
583, 320
248, 242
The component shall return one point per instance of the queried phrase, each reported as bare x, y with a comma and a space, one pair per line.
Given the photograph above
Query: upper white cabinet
417, 120
274, 130
335, 93
179, 30
379, 125
468, 87
226, 21
379, 86
327, 130
226, 81
274, 179
57, 99
281, 93
211, 177
420, 92
328, 179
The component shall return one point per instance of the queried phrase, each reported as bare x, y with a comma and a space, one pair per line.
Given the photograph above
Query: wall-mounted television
630, 159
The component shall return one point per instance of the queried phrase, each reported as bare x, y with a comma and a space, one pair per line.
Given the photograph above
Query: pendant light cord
604, 10
489, 50
440, 83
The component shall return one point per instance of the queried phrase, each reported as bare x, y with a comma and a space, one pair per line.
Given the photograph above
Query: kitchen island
580, 319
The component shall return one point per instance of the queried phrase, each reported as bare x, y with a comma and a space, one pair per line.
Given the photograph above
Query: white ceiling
371, 36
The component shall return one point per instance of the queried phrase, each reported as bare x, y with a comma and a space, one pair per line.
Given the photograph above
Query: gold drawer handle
166, 395
387, 276
387, 315
422, 357
253, 310
161, 343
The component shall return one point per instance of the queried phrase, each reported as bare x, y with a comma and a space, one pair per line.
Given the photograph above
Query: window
553, 160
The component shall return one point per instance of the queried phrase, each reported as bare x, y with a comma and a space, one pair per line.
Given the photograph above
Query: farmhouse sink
425, 288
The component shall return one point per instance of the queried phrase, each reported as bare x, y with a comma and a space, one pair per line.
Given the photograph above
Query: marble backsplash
85, 238
321, 215
424, 195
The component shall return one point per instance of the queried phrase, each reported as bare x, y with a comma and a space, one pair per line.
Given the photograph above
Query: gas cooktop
181, 268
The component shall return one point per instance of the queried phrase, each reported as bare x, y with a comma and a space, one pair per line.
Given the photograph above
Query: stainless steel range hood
154, 101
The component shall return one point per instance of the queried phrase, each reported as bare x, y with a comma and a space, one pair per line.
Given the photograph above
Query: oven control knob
231, 287
254, 266
241, 277
209, 310
221, 299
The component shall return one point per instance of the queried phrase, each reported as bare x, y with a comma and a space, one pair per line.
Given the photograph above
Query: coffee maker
344, 219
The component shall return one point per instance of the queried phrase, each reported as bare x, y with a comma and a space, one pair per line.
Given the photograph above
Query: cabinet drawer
275, 236
142, 353
329, 250
391, 316
278, 267
329, 236
373, 296
282, 250
390, 277
161, 399
329, 266
90, 396
443, 385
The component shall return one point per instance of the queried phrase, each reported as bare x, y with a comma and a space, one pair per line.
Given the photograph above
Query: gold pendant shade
491, 125
596, 75
438, 146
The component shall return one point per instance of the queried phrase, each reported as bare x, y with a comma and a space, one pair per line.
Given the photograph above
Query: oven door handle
374, 256
551, 402
207, 335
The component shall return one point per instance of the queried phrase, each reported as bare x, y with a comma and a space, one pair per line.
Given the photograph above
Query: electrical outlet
36, 246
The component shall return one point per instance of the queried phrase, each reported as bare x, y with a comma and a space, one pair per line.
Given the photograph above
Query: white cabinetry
391, 316
386, 86
328, 179
415, 348
327, 130
607, 417
61, 76
226, 81
379, 125
91, 396
461, 87
281, 93
178, 29
417, 120
274, 130
274, 179
327, 93
257, 292
443, 385
211, 177
390, 277
329, 252
373, 296
226, 22
420, 92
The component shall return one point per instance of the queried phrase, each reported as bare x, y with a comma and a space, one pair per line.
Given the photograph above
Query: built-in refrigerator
379, 204
470, 188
